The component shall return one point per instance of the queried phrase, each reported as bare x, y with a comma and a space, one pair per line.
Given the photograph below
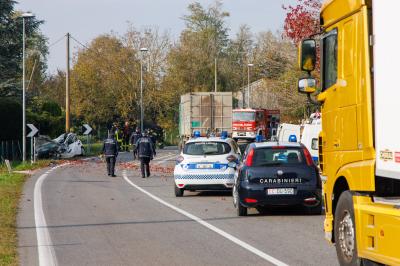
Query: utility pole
141, 97
248, 84
24, 17
143, 51
23, 94
215, 75
67, 111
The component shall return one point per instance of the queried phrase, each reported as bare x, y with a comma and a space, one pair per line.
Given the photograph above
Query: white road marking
47, 256
208, 225
168, 156
157, 159
166, 159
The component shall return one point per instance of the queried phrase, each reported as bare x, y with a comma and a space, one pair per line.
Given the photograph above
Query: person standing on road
146, 152
153, 138
110, 151
118, 135
126, 134
134, 139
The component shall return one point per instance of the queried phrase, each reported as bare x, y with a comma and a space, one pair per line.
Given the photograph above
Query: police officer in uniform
110, 151
146, 152
134, 139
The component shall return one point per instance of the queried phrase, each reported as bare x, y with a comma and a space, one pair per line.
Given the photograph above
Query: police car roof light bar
292, 138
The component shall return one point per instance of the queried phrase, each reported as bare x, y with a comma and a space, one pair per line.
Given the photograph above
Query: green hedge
10, 119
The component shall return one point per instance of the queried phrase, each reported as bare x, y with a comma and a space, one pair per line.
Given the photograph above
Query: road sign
33, 132
88, 129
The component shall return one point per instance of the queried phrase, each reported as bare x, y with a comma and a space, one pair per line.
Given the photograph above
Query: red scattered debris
154, 168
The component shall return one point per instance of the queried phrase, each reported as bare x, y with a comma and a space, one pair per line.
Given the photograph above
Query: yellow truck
359, 146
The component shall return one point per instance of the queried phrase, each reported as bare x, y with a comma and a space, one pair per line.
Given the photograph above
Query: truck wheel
178, 192
345, 231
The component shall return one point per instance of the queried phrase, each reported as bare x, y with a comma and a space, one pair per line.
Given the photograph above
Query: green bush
47, 116
52, 107
10, 119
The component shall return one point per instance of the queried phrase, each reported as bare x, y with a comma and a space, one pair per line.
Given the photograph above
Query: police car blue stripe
215, 166
222, 176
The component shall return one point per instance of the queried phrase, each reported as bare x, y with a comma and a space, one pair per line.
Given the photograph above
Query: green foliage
10, 119
11, 50
105, 79
46, 116
52, 108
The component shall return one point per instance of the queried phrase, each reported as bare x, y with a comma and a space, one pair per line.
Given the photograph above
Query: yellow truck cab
359, 146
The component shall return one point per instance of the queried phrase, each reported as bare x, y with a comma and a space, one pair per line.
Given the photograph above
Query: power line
54, 43
72, 37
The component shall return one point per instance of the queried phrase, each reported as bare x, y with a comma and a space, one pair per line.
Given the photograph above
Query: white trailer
386, 88
205, 112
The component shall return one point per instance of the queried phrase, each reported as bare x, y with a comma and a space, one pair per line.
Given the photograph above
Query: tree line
105, 74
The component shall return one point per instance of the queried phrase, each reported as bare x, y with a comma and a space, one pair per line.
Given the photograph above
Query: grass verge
11, 186
95, 149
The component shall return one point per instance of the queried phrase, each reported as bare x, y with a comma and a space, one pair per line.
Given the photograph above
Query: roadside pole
32, 135
87, 133
67, 103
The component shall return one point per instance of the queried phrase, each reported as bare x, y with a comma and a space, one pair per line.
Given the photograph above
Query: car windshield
277, 156
244, 116
206, 148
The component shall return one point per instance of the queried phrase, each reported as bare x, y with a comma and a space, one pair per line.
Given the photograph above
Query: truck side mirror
307, 85
307, 55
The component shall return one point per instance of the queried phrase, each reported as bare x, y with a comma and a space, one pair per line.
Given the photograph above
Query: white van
310, 134
286, 130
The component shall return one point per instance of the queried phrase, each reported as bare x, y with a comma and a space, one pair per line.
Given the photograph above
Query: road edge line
46, 251
208, 225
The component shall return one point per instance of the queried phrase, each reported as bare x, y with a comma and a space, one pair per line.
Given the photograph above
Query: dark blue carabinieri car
276, 174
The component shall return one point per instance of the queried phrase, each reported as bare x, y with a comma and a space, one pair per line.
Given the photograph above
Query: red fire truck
248, 123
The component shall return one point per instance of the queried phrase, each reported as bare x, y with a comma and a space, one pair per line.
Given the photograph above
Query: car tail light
250, 200
231, 158
309, 159
181, 185
179, 159
249, 159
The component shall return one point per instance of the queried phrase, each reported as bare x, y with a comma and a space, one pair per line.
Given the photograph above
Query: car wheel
314, 210
178, 192
345, 231
240, 210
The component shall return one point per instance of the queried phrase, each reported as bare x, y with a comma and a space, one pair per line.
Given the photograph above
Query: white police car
203, 165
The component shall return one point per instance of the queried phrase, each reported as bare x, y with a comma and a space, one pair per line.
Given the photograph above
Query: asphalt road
77, 215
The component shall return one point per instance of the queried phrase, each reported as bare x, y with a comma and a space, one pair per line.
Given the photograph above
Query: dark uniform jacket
110, 147
145, 148
135, 137
127, 132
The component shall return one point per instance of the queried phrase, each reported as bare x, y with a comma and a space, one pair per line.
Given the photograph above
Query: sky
86, 19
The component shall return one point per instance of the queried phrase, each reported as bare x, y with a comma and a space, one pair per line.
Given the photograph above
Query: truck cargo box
386, 88
202, 111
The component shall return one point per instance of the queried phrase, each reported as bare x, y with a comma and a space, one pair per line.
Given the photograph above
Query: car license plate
280, 191
204, 166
